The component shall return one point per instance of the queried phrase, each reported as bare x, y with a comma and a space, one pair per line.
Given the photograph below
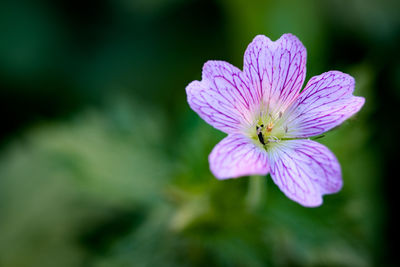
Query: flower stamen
270, 126
259, 133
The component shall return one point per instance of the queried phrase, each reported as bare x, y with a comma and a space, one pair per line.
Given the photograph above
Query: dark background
102, 162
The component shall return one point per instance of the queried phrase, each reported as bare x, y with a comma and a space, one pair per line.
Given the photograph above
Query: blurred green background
102, 162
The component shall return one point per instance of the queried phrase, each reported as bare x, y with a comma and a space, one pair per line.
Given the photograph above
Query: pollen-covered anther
269, 127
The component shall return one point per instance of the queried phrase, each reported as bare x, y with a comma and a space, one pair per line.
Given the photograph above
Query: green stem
256, 193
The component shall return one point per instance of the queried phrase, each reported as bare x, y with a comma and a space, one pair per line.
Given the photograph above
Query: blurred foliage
102, 163
85, 181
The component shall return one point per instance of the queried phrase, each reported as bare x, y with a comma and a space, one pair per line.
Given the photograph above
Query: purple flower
269, 121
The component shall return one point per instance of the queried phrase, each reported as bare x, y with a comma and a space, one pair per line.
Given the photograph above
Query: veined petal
304, 170
236, 156
276, 69
326, 101
222, 98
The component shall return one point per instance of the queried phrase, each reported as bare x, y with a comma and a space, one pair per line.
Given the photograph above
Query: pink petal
222, 98
304, 170
326, 101
276, 69
236, 156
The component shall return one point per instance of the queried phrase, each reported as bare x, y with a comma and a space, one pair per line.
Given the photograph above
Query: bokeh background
102, 162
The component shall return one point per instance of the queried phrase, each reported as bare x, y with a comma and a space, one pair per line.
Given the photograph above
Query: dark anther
259, 133
261, 138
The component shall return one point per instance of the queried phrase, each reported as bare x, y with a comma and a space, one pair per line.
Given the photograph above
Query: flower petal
236, 156
326, 101
304, 170
222, 98
276, 70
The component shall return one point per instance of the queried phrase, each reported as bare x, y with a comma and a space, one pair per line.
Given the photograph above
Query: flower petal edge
276, 69
326, 102
222, 98
305, 170
236, 156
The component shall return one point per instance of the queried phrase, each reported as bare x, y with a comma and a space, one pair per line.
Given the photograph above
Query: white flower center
268, 129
